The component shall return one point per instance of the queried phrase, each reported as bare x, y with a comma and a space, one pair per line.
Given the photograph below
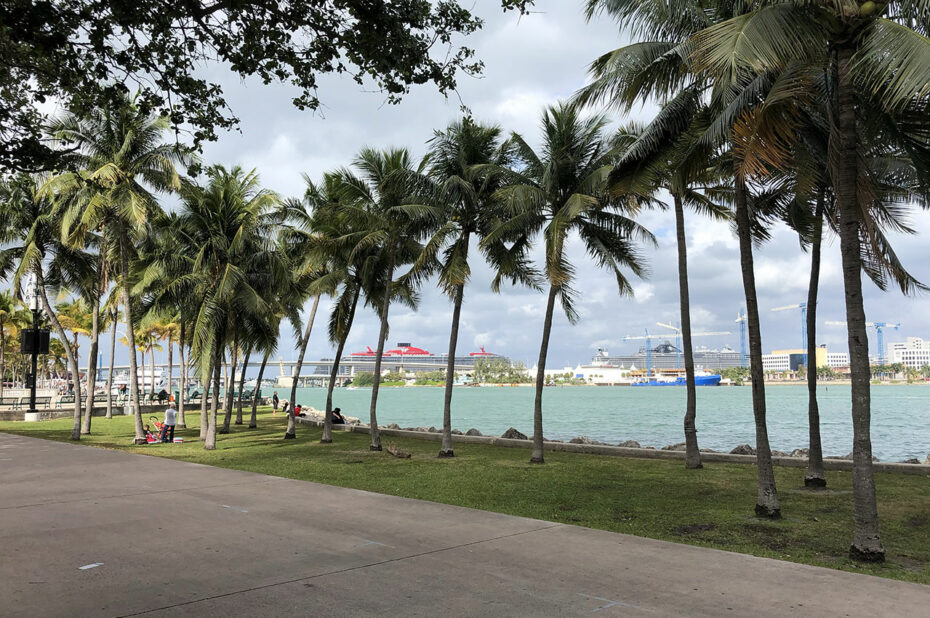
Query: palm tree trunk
867, 542
291, 431
142, 373
182, 379
328, 418
767, 500
170, 364
130, 333
253, 422
692, 452
210, 441
245, 365
94, 348
69, 352
537, 455
152, 358
110, 372
205, 397
815, 476
382, 335
231, 384
2, 356
445, 450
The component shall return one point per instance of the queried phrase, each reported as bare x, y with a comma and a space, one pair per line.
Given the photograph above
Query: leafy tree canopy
86, 53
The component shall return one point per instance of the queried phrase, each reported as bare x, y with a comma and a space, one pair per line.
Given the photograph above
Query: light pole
33, 340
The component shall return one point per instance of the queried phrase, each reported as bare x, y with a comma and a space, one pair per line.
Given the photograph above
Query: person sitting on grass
162, 396
297, 410
148, 434
338, 418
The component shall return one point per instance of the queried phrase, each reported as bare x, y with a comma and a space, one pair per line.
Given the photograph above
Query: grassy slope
658, 499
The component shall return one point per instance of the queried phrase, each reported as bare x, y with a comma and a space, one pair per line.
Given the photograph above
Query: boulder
585, 440
674, 447
393, 426
422, 429
927, 460
777, 453
631, 444
848, 456
434, 430
513, 434
743, 449
473, 432
912, 460
456, 432
800, 452
708, 450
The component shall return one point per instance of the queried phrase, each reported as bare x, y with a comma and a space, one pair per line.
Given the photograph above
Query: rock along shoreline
743, 453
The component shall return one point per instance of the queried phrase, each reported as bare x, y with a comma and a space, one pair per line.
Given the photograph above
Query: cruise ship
404, 357
667, 356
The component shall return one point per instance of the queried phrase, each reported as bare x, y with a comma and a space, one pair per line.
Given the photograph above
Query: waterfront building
791, 360
913, 353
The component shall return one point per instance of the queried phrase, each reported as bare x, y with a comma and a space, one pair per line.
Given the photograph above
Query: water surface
653, 416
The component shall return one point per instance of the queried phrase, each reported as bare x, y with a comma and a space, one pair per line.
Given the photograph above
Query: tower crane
879, 329
803, 308
648, 339
741, 318
678, 338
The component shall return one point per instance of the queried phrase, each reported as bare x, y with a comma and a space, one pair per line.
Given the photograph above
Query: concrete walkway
86, 531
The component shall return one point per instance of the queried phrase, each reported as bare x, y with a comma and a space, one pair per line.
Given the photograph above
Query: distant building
914, 353
791, 360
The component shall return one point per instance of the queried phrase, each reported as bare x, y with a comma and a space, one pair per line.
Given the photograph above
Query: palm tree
30, 229
560, 191
659, 68
82, 318
383, 201
348, 268
233, 223
123, 162
466, 199
875, 59
668, 155
167, 257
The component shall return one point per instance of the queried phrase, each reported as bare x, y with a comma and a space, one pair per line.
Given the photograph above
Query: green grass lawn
711, 507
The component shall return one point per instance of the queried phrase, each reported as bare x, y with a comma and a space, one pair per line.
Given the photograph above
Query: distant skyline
532, 61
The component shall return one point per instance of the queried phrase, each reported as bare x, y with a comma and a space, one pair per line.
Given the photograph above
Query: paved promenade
86, 532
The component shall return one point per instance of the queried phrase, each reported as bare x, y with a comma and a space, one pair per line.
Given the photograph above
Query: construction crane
648, 338
880, 330
803, 308
741, 318
678, 338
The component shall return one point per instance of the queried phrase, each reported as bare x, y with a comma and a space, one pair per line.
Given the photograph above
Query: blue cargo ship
704, 380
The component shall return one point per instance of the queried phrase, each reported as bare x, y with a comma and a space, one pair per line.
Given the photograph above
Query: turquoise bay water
653, 416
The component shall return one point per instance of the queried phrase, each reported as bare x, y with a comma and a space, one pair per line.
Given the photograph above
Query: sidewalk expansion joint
345, 570
269, 479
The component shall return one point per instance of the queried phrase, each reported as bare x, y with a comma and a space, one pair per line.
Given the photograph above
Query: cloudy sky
530, 62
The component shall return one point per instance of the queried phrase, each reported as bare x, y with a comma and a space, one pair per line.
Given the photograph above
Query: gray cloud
530, 62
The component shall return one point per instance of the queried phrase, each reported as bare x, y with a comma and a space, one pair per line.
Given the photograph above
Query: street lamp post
33, 340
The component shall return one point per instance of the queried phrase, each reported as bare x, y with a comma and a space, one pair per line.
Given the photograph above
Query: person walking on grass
171, 419
274, 403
